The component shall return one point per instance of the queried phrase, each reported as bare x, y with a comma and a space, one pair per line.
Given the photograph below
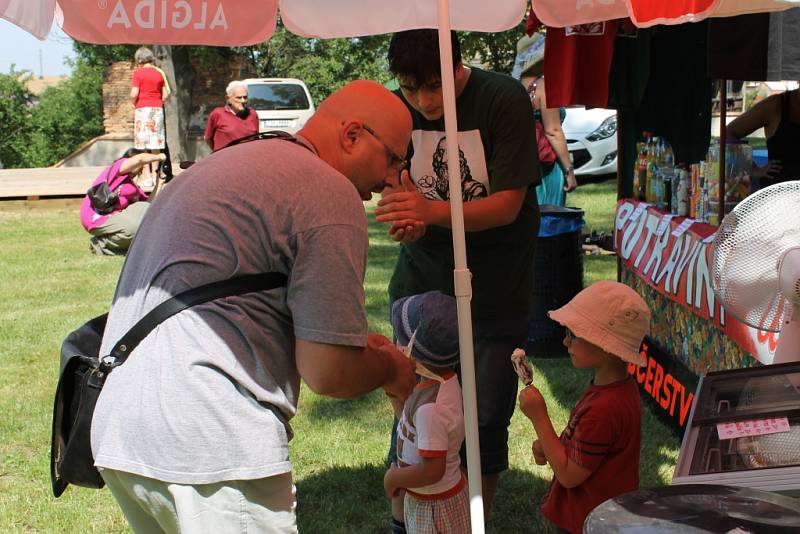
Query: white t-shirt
432, 425
208, 395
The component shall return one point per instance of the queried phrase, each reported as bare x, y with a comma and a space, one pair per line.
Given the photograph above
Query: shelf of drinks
691, 190
675, 219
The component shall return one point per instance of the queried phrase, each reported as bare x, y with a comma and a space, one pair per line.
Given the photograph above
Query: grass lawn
51, 284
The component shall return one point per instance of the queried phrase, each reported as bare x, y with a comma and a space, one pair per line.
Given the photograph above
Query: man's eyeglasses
569, 335
239, 97
395, 159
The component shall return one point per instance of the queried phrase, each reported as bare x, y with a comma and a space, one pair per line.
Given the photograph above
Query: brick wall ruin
209, 93
117, 104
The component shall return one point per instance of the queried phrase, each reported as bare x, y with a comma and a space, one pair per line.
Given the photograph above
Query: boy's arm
425, 473
568, 473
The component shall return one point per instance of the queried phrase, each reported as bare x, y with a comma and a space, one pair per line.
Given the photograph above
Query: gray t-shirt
207, 396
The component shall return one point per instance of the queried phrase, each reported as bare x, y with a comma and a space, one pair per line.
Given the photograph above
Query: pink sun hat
610, 315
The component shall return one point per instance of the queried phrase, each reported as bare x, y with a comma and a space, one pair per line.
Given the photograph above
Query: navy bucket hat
434, 318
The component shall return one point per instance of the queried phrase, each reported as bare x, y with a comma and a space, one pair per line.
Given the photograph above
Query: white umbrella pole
462, 276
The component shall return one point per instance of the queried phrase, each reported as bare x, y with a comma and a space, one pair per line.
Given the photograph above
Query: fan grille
746, 251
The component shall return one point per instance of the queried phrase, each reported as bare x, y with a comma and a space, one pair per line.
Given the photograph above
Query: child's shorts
444, 516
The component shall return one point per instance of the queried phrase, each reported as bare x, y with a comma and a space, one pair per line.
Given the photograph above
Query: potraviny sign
670, 254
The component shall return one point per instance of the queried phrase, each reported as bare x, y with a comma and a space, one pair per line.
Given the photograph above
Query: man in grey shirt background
191, 433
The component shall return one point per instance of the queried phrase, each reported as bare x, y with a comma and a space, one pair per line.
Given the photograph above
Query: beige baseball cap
610, 315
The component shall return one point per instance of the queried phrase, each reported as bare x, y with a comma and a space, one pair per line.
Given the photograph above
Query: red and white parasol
644, 13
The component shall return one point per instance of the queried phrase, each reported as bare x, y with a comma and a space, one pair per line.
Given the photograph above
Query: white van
282, 103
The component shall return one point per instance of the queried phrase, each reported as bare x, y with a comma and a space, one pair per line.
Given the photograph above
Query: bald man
191, 433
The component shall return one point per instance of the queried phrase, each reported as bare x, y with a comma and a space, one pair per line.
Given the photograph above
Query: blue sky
22, 49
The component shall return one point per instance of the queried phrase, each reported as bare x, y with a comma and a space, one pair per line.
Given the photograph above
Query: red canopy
643, 13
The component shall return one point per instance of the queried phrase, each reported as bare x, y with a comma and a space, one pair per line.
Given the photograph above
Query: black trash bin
557, 276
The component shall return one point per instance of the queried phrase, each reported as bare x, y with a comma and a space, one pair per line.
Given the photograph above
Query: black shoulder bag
102, 198
83, 373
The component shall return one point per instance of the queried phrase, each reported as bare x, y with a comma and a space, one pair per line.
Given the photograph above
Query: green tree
496, 51
15, 114
323, 64
66, 116
327, 64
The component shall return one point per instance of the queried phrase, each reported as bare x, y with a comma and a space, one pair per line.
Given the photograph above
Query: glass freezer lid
712, 454
747, 395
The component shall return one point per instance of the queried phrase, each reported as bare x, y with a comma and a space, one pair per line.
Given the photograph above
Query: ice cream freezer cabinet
744, 430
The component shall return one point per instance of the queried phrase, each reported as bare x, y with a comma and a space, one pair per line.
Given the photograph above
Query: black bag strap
186, 299
272, 134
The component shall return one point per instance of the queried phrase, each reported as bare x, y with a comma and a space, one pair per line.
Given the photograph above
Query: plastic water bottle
667, 179
681, 202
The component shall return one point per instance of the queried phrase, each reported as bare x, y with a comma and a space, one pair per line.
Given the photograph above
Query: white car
281, 103
592, 140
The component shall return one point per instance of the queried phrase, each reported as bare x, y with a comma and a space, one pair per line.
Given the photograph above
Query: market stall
661, 79
742, 429
670, 255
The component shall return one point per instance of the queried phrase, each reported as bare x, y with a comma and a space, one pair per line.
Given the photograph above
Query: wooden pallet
49, 182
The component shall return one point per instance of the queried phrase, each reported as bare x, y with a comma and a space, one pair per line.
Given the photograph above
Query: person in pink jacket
113, 227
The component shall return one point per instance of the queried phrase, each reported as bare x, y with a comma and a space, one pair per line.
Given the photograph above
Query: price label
638, 211
663, 224
753, 427
710, 238
681, 229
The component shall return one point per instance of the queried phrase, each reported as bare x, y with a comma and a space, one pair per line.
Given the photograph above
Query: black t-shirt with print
498, 152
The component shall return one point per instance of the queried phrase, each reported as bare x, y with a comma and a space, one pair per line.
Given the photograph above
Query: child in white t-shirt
431, 422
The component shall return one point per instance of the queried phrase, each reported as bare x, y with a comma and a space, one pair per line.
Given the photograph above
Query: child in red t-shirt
597, 456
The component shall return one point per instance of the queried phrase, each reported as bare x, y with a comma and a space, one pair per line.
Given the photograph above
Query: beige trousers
264, 505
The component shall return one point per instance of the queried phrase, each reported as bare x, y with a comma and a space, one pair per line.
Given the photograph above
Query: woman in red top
149, 91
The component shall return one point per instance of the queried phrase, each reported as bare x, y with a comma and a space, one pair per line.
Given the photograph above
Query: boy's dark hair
415, 54
131, 152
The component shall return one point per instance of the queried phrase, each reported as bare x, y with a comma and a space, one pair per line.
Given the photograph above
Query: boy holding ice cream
597, 455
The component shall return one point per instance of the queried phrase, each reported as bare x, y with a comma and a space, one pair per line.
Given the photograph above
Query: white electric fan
755, 265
